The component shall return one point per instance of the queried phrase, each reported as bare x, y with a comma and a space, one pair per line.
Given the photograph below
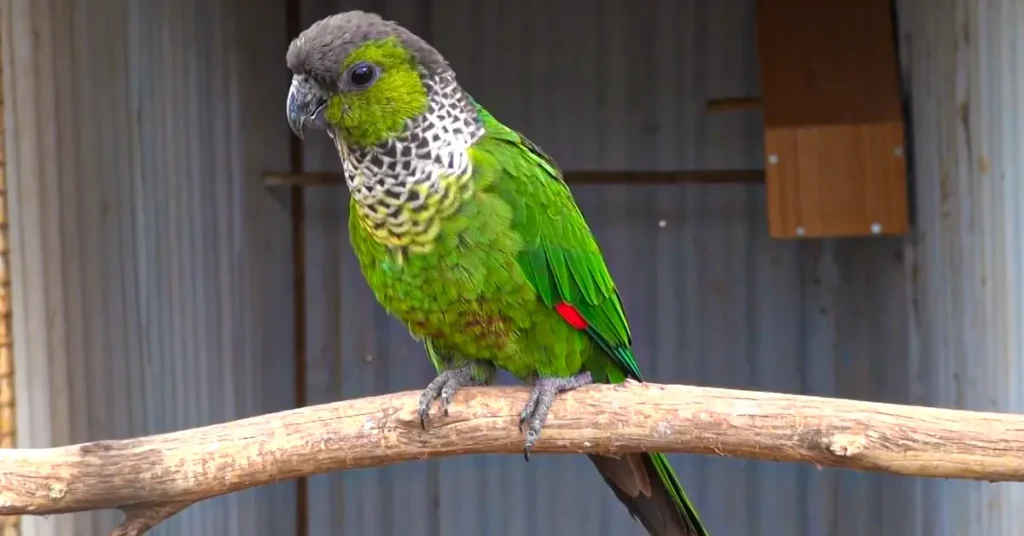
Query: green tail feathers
663, 509
675, 488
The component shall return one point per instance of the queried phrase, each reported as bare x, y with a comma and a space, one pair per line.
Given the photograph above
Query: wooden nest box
833, 120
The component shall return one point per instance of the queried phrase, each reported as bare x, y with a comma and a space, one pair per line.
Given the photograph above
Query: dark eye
362, 75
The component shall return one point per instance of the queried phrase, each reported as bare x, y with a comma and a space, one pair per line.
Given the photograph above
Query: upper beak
305, 107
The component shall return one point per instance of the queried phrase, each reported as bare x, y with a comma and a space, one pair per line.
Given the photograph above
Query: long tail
648, 487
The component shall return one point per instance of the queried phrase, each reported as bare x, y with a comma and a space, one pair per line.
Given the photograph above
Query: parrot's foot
541, 399
444, 386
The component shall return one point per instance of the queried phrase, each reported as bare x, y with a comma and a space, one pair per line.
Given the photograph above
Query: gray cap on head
321, 49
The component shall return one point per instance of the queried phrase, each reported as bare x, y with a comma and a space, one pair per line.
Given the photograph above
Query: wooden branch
710, 176
152, 478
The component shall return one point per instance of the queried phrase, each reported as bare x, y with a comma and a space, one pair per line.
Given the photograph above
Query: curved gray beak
305, 107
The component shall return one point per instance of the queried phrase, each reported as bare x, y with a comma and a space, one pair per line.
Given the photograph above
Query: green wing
561, 258
563, 263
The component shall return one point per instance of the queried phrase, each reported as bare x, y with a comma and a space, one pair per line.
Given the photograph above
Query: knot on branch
57, 491
845, 445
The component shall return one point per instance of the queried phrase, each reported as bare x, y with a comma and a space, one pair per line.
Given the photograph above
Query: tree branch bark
152, 478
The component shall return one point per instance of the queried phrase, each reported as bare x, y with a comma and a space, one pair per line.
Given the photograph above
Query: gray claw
539, 404
444, 387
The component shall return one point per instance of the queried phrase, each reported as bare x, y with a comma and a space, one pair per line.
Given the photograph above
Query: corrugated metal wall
711, 298
152, 269
964, 67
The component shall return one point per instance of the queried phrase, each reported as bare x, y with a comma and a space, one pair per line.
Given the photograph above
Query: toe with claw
444, 387
539, 404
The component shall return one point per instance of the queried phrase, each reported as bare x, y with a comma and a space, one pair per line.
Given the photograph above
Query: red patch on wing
571, 315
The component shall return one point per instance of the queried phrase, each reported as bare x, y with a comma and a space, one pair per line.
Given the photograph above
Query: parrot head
361, 78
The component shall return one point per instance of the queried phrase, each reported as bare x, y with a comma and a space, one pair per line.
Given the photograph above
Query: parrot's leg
444, 386
541, 399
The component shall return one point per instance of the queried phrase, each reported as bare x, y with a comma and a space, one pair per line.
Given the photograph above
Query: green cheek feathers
371, 116
335, 110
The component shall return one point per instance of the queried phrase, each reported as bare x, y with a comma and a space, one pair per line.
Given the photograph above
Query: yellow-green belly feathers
467, 293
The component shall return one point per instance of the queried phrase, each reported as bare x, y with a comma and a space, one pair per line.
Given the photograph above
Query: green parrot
467, 233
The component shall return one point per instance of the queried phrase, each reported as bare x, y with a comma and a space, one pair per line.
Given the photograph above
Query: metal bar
724, 176
734, 104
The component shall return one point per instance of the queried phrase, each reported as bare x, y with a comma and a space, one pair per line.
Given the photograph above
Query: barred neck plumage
404, 187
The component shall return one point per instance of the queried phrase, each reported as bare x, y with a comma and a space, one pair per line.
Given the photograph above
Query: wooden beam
724, 176
9, 526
